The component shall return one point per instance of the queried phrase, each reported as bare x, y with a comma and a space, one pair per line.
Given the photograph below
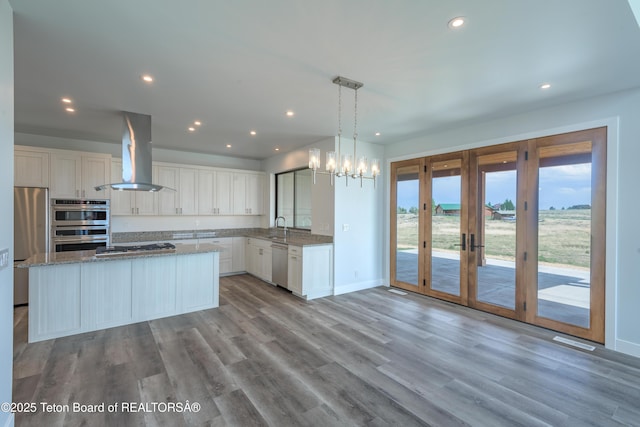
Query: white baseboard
358, 286
628, 347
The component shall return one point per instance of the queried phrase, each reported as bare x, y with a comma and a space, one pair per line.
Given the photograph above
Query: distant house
454, 209
489, 212
505, 215
448, 209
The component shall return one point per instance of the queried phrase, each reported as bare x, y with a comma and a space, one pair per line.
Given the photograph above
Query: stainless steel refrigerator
30, 234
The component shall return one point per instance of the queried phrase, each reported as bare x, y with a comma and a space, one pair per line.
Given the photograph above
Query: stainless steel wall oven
78, 224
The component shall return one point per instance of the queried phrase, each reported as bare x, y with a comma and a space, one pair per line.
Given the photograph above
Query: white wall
621, 113
359, 252
322, 195
359, 235
159, 154
6, 206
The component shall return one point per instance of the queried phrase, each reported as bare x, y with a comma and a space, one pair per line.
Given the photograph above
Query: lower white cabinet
310, 273
154, 284
198, 272
54, 301
67, 299
258, 259
106, 294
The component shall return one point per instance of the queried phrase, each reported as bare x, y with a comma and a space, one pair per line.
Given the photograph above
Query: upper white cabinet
182, 201
31, 167
215, 192
132, 202
248, 192
75, 174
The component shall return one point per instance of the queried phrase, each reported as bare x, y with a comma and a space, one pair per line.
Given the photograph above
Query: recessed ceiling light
277, 149
66, 100
191, 129
147, 78
377, 133
457, 22
70, 109
228, 145
545, 86
197, 123
253, 133
290, 113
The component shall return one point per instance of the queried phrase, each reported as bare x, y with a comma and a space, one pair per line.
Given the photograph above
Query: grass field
563, 236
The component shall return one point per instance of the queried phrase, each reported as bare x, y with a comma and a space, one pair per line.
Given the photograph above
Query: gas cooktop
134, 249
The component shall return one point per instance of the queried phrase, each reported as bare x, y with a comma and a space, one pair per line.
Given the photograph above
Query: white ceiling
239, 65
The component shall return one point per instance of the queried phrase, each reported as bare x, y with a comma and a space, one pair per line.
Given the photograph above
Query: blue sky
559, 186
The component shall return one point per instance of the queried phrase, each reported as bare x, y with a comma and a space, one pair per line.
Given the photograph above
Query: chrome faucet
285, 224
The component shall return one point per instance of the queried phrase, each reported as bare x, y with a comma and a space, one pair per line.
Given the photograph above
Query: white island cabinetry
67, 298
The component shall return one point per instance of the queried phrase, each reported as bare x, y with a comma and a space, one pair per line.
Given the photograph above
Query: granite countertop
296, 238
74, 257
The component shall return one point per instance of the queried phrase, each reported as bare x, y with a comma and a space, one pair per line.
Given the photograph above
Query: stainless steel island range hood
136, 155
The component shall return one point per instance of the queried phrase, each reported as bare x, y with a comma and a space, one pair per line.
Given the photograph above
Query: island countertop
73, 257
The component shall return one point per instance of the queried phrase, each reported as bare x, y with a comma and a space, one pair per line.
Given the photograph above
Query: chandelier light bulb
314, 158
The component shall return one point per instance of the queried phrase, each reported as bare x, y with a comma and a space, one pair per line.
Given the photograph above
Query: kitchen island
77, 292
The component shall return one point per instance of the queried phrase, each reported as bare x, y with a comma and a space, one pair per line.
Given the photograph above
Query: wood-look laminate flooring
374, 358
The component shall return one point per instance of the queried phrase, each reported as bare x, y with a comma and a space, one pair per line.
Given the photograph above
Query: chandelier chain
355, 117
339, 110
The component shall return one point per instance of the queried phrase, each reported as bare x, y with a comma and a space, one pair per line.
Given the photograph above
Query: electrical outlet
345, 227
4, 258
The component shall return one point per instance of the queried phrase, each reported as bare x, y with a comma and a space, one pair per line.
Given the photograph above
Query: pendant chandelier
338, 165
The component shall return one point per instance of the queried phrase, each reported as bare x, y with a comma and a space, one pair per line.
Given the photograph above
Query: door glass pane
445, 226
303, 181
284, 201
564, 236
496, 229
407, 222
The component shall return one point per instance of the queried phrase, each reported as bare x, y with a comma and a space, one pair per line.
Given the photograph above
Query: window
293, 198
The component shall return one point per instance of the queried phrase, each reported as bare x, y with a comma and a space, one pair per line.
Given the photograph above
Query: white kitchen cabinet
258, 258
238, 257
215, 192
182, 201
310, 273
154, 286
132, 202
188, 191
251, 256
106, 294
54, 301
67, 299
294, 276
248, 191
31, 167
201, 272
75, 174
226, 251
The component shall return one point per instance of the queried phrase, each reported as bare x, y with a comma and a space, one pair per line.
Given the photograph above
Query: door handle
473, 243
463, 241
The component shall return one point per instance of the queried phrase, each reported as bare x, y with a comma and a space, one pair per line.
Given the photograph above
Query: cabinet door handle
132, 212
137, 211
83, 194
176, 211
77, 193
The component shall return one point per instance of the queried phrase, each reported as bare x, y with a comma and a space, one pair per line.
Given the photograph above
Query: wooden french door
515, 229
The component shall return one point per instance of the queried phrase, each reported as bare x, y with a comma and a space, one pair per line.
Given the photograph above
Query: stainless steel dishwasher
280, 264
